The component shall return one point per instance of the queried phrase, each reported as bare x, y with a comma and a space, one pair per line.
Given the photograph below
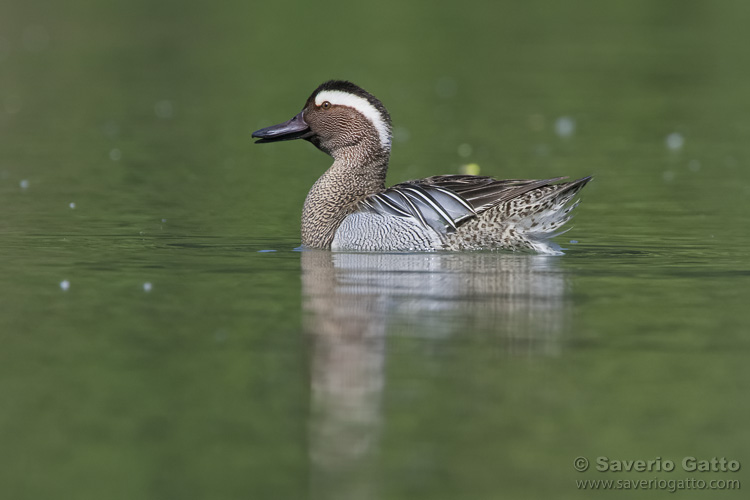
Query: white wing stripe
457, 198
431, 201
383, 199
414, 209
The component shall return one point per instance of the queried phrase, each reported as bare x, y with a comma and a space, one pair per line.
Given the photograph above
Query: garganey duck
349, 207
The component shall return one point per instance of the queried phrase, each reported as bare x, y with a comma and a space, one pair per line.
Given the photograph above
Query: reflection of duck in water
349, 207
515, 299
353, 302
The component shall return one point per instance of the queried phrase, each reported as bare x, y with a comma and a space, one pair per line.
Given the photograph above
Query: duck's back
460, 212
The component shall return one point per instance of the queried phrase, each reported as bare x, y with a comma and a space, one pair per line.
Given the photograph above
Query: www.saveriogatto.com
712, 473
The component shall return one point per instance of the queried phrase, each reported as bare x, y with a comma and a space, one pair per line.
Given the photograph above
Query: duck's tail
527, 215
550, 208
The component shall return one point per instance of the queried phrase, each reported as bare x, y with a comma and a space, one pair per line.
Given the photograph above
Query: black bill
296, 128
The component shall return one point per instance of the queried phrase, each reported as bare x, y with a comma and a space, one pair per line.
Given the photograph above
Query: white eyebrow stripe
362, 105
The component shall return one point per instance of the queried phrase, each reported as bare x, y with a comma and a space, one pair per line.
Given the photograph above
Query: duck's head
338, 116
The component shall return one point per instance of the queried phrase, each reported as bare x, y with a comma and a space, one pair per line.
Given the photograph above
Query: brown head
337, 118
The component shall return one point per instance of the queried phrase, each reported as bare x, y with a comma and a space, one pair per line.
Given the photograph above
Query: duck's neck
335, 194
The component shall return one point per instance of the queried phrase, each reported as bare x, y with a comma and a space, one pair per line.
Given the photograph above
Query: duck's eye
325, 105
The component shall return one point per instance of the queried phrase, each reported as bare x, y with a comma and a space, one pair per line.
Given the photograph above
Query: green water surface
160, 336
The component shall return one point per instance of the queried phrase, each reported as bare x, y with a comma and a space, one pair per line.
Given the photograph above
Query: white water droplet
72, 204
64, 285
675, 141
565, 126
24, 184
147, 287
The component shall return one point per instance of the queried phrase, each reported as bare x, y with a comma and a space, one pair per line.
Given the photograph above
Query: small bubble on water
668, 176
694, 165
565, 126
24, 184
64, 285
675, 141
115, 154
164, 221
147, 286
164, 109
72, 204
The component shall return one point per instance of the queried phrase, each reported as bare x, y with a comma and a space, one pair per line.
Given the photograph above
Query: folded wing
444, 202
